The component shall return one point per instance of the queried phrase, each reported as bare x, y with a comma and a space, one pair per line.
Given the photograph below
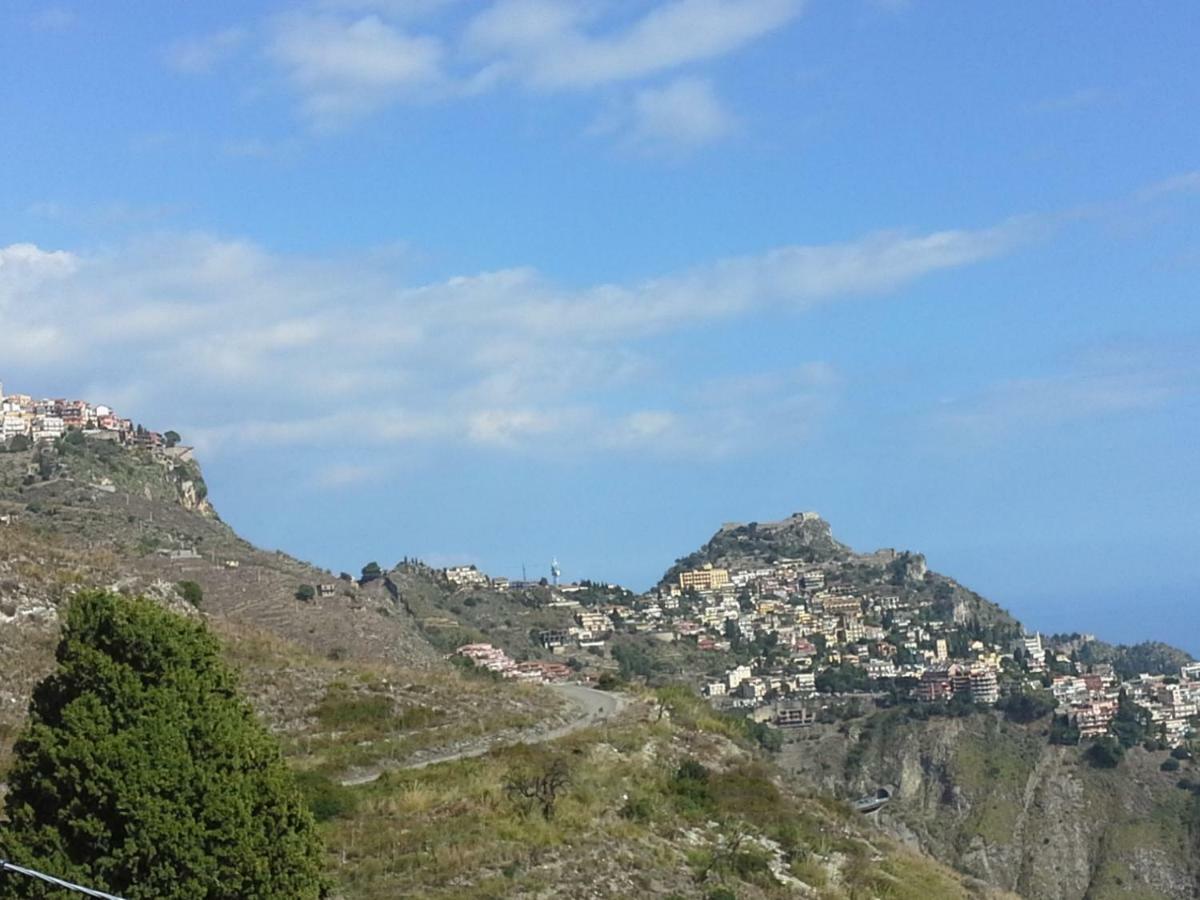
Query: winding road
592, 707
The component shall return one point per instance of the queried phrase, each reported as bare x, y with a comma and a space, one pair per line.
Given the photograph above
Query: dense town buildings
807, 638
22, 416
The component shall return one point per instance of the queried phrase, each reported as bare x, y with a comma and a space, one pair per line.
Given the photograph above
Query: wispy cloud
1081, 98
682, 115
346, 475
347, 59
554, 46
202, 54
263, 348
344, 69
258, 148
1186, 183
55, 18
1108, 381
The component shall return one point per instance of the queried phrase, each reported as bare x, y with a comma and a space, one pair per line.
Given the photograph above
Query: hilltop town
800, 640
25, 420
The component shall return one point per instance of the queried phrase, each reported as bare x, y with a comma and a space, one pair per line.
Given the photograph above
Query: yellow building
705, 578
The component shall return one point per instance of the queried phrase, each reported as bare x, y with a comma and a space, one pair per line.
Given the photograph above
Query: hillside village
25, 420
810, 637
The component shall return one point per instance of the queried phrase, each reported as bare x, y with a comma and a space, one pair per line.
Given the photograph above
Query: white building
737, 675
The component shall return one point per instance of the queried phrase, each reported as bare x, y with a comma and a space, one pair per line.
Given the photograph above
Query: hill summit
805, 540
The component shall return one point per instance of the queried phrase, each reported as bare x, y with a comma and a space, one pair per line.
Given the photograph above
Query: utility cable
6, 866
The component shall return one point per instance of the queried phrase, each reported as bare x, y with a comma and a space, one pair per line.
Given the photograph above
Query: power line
6, 866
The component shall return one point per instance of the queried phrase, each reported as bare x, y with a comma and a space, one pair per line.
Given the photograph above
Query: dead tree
538, 788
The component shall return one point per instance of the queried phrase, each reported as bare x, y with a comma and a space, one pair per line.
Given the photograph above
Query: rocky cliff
996, 800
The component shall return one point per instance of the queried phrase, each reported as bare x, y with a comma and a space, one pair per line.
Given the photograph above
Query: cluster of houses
1090, 700
802, 619
486, 656
47, 420
1174, 704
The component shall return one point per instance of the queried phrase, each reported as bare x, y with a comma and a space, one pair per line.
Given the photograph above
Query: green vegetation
1105, 753
1152, 657
305, 593
844, 679
1028, 706
364, 715
142, 772
671, 805
634, 661
326, 798
191, 592
1132, 722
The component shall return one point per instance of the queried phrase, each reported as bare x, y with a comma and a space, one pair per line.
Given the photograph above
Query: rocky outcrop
998, 802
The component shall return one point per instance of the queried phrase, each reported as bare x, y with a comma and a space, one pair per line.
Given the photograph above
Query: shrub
191, 592
1105, 753
345, 711
608, 682
1170, 765
537, 783
1180, 753
637, 809
1063, 732
305, 593
690, 787
326, 799
770, 739
1025, 708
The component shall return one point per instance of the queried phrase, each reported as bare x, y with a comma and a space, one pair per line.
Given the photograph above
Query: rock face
997, 801
803, 536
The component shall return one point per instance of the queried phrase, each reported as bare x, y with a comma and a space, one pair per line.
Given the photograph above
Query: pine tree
143, 772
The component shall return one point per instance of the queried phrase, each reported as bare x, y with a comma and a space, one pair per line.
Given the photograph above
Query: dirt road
592, 707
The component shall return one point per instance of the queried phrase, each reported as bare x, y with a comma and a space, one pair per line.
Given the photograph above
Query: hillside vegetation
665, 801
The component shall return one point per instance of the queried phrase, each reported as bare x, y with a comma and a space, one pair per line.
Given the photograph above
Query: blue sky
497, 281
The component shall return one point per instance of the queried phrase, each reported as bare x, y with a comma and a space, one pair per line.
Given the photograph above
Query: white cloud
548, 44
399, 9
346, 69
1083, 98
202, 54
683, 114
24, 268
252, 347
345, 475
55, 18
1020, 404
1187, 183
349, 58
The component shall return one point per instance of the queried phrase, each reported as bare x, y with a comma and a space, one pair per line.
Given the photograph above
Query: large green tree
143, 772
